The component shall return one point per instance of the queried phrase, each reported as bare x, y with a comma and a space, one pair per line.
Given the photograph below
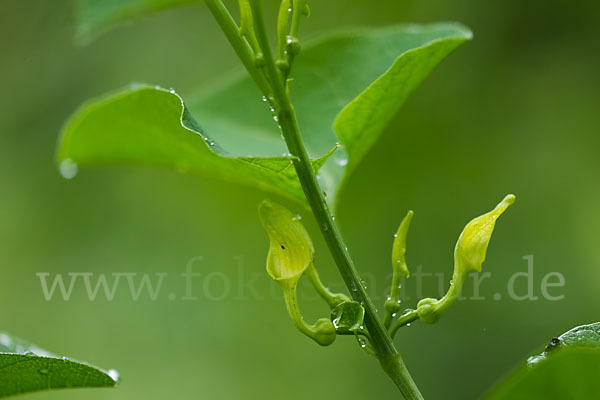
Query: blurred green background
516, 110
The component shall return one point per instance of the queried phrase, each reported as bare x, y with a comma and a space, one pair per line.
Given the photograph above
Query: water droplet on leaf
68, 168
114, 374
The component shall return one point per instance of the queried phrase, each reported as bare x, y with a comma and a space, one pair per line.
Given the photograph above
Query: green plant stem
332, 299
386, 352
402, 321
240, 46
387, 320
283, 20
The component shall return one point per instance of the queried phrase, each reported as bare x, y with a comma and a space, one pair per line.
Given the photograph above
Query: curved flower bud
291, 252
469, 255
472, 244
392, 304
399, 248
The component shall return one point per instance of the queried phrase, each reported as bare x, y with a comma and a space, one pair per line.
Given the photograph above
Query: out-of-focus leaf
96, 16
573, 373
580, 336
356, 79
26, 368
151, 126
348, 317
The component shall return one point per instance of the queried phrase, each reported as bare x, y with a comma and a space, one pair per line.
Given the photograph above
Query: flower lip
291, 250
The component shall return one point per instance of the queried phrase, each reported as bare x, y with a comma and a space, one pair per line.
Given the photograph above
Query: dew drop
342, 162
114, 374
531, 361
5, 340
43, 371
68, 168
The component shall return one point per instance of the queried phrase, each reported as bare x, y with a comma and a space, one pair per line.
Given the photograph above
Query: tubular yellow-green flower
291, 252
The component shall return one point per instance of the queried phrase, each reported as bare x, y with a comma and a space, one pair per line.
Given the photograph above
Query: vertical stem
389, 357
387, 354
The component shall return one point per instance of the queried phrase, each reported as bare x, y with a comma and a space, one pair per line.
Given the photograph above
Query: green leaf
581, 336
348, 317
150, 126
26, 368
96, 16
346, 89
571, 374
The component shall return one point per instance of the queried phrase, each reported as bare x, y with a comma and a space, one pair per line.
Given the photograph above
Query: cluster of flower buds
291, 254
469, 255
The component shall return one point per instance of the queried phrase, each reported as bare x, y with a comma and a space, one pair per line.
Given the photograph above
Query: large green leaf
26, 368
97, 16
570, 374
152, 126
146, 125
357, 79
